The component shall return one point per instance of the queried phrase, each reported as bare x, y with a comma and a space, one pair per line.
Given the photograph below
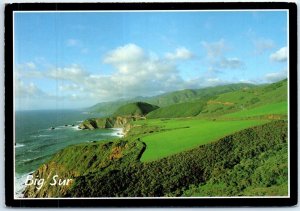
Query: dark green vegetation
221, 141
135, 109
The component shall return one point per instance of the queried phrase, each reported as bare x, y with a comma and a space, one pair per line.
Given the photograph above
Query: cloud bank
280, 55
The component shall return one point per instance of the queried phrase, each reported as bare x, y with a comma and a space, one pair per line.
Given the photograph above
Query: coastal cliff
61, 172
111, 122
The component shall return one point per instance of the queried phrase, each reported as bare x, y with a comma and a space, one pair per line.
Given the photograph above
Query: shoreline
20, 184
119, 132
20, 179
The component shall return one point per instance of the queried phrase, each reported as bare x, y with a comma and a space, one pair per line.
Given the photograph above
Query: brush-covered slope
242, 163
135, 109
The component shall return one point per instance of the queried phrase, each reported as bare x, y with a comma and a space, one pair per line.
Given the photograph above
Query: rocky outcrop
110, 122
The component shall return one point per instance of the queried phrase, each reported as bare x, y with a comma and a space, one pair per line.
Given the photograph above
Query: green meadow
273, 108
185, 134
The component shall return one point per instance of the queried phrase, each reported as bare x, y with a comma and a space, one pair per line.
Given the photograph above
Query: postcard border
149, 202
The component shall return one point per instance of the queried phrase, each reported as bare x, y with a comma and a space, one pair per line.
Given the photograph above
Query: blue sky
74, 60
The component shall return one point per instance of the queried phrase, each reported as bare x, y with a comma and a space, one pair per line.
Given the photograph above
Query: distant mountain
135, 109
107, 108
187, 95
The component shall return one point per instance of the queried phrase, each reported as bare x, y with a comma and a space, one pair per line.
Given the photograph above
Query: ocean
40, 134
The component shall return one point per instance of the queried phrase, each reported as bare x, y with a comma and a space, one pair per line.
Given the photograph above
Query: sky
66, 60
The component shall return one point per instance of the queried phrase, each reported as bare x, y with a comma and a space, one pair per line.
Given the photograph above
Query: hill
187, 95
178, 110
246, 98
270, 96
135, 109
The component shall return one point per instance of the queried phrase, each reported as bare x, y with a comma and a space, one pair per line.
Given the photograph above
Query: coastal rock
110, 122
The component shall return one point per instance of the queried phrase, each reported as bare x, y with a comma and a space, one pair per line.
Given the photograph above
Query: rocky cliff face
111, 122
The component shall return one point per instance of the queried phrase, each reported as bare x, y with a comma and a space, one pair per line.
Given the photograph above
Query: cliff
110, 122
80, 160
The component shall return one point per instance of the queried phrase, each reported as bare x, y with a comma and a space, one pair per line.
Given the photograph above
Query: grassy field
183, 134
273, 108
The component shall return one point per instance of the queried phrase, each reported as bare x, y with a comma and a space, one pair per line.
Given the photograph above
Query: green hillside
188, 95
135, 109
237, 100
246, 98
180, 135
250, 162
187, 109
268, 109
194, 94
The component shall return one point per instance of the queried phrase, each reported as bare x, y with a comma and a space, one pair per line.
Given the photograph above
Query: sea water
40, 134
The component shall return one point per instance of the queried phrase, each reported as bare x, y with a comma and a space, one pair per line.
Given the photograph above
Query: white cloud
262, 44
180, 53
27, 70
276, 76
136, 72
30, 65
217, 59
69, 87
201, 82
215, 49
72, 42
73, 73
280, 55
29, 90
125, 54
230, 63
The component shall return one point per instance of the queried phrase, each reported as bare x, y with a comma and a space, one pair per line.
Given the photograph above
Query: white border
156, 11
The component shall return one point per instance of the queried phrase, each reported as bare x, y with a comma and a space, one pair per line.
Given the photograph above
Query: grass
246, 98
184, 134
273, 108
178, 110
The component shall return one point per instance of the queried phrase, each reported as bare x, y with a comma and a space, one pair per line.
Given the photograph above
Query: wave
19, 145
35, 159
20, 180
61, 127
40, 136
117, 132
76, 127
